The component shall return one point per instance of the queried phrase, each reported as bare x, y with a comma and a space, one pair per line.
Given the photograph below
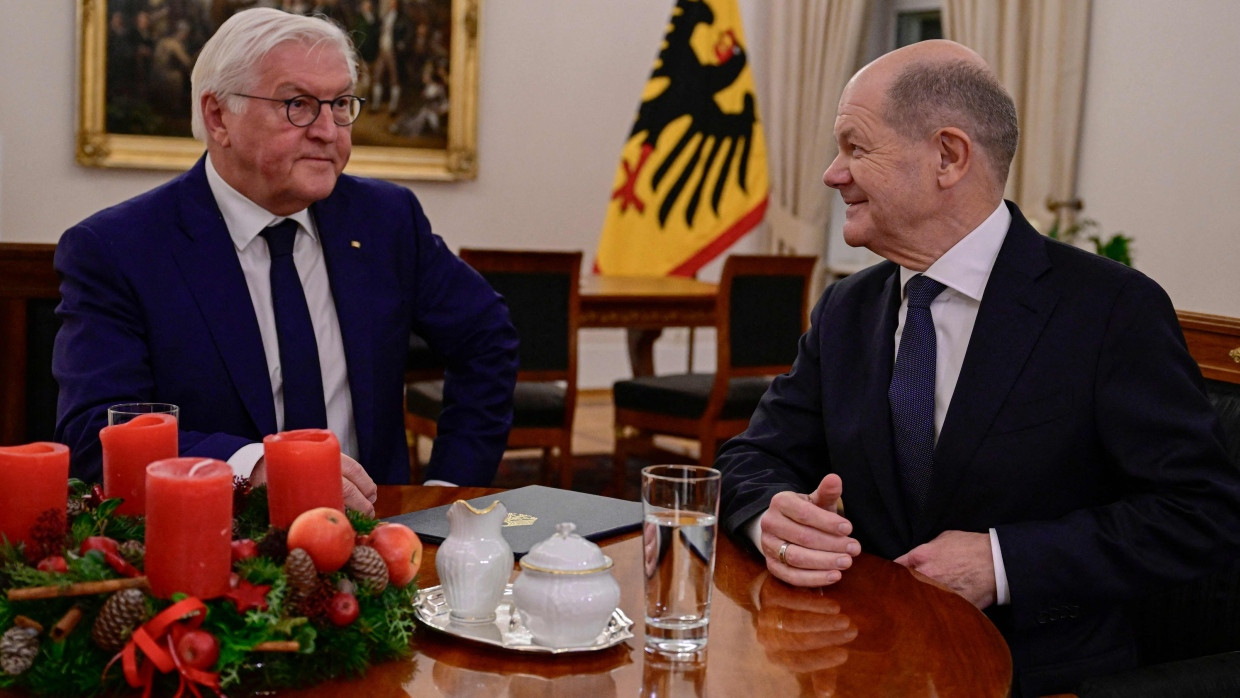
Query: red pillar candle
34, 478
189, 526
127, 449
303, 472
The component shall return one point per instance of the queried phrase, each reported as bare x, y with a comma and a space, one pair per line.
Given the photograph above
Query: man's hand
359, 490
818, 547
959, 560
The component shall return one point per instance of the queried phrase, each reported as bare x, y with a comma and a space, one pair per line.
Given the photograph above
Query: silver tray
507, 630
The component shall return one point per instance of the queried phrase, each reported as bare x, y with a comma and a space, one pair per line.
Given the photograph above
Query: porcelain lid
565, 552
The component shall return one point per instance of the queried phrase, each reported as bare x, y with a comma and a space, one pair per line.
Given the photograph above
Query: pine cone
274, 544
133, 551
18, 648
303, 579
74, 506
368, 569
121, 613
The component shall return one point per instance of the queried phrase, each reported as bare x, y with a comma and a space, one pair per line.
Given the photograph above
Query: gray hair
927, 96
229, 59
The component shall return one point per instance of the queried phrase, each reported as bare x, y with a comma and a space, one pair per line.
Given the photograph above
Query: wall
1161, 145
560, 81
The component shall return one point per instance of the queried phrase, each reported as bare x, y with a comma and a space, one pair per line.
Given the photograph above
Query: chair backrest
763, 310
29, 293
543, 291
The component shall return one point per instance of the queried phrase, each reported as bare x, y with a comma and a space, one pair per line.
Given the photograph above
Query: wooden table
644, 306
879, 632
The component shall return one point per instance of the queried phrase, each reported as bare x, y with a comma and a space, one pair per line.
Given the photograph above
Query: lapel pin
356, 245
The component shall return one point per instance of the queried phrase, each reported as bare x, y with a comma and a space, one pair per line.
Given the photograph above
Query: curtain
815, 47
1038, 48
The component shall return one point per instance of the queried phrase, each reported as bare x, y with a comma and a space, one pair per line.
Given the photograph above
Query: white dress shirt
964, 270
245, 220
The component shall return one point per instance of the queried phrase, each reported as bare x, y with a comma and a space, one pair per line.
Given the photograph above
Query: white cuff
753, 529
439, 483
1002, 595
243, 461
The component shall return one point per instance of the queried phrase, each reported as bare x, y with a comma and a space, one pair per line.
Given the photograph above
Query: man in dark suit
1032, 432
173, 296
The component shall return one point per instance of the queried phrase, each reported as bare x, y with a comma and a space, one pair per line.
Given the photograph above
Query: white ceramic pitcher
474, 562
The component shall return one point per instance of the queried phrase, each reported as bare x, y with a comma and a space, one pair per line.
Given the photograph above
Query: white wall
560, 81
1160, 156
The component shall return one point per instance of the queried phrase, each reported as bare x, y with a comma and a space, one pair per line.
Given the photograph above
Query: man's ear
955, 150
213, 119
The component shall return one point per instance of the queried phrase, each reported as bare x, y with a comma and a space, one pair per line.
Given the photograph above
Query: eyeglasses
302, 110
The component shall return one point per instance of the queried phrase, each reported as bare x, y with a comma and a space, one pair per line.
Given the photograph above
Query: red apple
401, 550
197, 649
53, 563
325, 534
343, 608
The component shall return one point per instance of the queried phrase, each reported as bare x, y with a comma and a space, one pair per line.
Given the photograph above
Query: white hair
228, 61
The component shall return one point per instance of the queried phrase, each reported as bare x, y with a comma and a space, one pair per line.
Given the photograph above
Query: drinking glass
680, 508
119, 414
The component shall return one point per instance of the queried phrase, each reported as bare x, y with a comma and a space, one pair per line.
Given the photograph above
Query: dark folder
533, 513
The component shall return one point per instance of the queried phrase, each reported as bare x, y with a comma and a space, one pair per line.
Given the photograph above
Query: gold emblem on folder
515, 519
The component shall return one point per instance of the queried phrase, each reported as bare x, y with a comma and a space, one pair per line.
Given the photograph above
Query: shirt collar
966, 267
244, 218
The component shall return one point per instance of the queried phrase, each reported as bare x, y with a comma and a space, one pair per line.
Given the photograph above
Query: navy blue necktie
912, 392
304, 406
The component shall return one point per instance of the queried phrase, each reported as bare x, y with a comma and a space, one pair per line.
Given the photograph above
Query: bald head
935, 84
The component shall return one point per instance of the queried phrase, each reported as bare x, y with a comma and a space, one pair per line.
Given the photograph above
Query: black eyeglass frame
318, 107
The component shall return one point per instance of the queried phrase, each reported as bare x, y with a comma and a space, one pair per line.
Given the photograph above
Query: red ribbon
154, 640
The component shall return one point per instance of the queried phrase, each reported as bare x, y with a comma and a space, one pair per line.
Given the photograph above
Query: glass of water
680, 507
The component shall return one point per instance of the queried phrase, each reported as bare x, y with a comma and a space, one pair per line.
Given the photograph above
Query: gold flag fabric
692, 177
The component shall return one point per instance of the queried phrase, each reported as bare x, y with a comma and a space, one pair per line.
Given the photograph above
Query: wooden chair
762, 311
29, 292
543, 293
1189, 636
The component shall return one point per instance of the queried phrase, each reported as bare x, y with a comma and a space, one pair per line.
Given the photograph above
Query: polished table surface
879, 632
644, 306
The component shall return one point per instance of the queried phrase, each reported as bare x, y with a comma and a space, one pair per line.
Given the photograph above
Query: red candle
34, 479
303, 472
189, 526
127, 449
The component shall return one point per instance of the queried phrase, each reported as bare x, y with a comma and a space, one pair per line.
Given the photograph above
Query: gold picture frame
447, 152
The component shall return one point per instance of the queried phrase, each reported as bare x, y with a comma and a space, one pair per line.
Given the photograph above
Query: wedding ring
783, 549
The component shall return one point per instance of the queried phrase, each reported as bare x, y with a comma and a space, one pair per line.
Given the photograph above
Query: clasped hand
817, 547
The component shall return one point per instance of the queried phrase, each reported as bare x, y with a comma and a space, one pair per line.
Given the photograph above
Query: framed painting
417, 69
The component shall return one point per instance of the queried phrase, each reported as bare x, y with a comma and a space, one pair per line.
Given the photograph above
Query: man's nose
323, 127
837, 174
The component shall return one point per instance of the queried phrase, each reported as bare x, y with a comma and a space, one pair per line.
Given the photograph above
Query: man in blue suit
173, 296
1013, 417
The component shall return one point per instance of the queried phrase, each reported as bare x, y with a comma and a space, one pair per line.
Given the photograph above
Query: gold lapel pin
356, 244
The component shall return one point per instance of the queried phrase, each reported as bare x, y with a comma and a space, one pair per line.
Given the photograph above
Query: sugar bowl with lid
565, 593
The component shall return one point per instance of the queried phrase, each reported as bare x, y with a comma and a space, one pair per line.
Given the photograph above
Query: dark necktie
912, 392
304, 406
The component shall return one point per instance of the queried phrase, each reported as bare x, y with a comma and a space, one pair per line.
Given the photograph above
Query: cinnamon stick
66, 624
278, 646
24, 622
79, 589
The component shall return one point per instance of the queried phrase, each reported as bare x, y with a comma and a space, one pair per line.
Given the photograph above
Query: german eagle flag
692, 178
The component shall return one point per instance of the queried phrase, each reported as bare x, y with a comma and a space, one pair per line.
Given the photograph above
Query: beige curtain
1038, 48
815, 46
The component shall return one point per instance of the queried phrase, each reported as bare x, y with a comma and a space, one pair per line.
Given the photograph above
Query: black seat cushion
685, 395
533, 404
